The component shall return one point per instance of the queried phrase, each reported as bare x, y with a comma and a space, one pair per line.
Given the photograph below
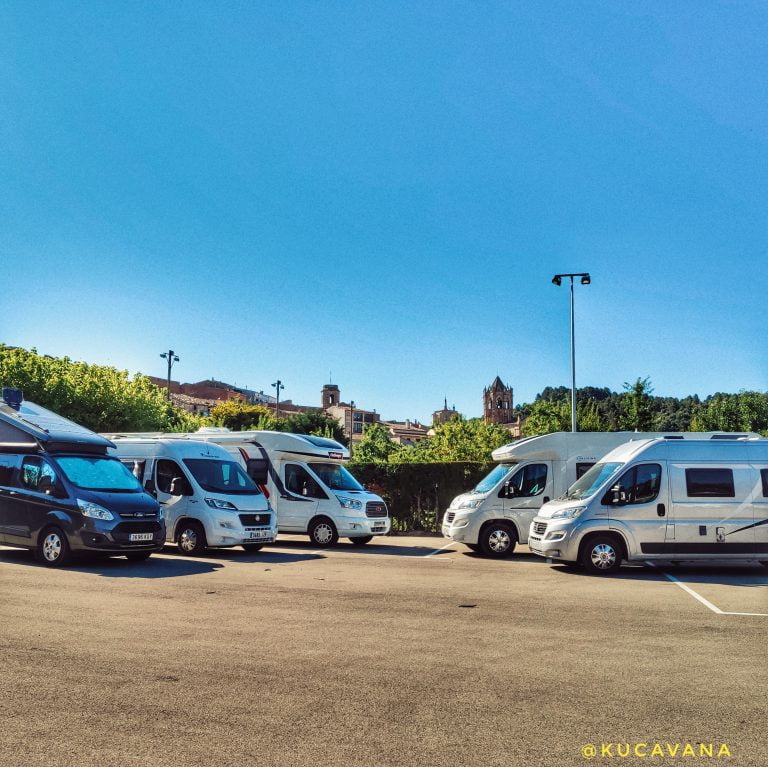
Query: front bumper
554, 539
358, 526
460, 528
110, 537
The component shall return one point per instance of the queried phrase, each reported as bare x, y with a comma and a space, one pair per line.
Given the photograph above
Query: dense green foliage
98, 397
240, 416
636, 408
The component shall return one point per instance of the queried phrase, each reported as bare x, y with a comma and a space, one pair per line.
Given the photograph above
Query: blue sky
382, 191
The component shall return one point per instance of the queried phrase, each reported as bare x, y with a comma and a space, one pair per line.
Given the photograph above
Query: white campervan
307, 484
496, 514
662, 499
208, 500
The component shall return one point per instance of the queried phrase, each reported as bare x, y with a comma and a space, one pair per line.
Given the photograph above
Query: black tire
323, 533
497, 540
53, 548
473, 547
138, 556
251, 548
361, 540
601, 555
190, 538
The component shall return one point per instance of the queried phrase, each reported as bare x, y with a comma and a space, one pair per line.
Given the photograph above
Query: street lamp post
585, 280
351, 425
277, 385
170, 355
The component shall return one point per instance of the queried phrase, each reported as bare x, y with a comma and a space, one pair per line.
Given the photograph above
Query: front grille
138, 515
121, 533
376, 509
539, 528
449, 517
254, 520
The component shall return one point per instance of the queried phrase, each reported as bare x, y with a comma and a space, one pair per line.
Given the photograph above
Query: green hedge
418, 494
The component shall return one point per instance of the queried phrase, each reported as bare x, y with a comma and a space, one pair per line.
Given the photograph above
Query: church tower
497, 403
330, 396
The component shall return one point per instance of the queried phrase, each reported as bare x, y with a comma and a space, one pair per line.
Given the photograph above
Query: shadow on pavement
726, 575
117, 567
236, 554
370, 549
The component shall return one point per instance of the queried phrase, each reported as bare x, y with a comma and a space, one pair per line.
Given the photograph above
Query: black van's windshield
336, 477
590, 482
94, 472
216, 476
492, 479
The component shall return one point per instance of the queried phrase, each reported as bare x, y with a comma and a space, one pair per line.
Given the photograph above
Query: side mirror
511, 491
618, 496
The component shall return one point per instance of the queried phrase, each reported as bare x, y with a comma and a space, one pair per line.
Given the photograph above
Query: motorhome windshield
216, 476
335, 477
92, 472
590, 482
491, 480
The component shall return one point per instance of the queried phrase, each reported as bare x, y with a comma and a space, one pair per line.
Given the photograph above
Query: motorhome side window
171, 479
8, 464
37, 474
764, 478
582, 469
709, 483
299, 482
640, 484
135, 467
527, 482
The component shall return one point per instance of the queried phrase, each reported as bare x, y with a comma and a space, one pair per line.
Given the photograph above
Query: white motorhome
662, 499
207, 497
496, 514
307, 484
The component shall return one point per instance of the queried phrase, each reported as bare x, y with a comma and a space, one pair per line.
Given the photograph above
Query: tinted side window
8, 466
167, 472
37, 475
135, 467
709, 483
582, 469
528, 481
638, 485
299, 482
764, 477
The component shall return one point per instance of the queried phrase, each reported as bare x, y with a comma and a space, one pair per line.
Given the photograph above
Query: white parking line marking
437, 551
695, 595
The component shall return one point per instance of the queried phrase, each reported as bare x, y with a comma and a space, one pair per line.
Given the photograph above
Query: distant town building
498, 407
406, 432
352, 419
444, 415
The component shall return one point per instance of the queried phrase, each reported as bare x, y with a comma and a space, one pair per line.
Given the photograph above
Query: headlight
568, 513
350, 503
94, 511
470, 504
215, 503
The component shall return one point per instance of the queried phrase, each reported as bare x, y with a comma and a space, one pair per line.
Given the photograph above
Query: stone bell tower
497, 403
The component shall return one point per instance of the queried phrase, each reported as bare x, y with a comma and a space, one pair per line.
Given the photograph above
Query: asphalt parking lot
401, 653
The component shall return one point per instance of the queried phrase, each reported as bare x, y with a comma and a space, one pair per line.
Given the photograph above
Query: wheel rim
603, 556
52, 547
499, 541
323, 533
188, 539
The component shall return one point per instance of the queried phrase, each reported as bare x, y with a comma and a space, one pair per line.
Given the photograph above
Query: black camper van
61, 493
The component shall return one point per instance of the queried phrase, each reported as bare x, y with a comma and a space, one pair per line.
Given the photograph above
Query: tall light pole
170, 355
277, 385
351, 425
585, 280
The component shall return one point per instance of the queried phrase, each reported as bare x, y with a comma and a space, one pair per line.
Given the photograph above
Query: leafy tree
376, 446
98, 397
319, 424
464, 440
237, 415
638, 410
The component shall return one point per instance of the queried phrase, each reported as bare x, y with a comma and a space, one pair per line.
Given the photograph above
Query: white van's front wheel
602, 555
323, 532
191, 539
497, 539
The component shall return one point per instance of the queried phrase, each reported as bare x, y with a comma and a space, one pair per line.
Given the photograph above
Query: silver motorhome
496, 514
663, 499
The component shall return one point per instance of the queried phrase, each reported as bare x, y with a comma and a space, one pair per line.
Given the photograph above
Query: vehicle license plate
140, 537
258, 534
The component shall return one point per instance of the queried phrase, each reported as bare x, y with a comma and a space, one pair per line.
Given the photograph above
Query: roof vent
13, 397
